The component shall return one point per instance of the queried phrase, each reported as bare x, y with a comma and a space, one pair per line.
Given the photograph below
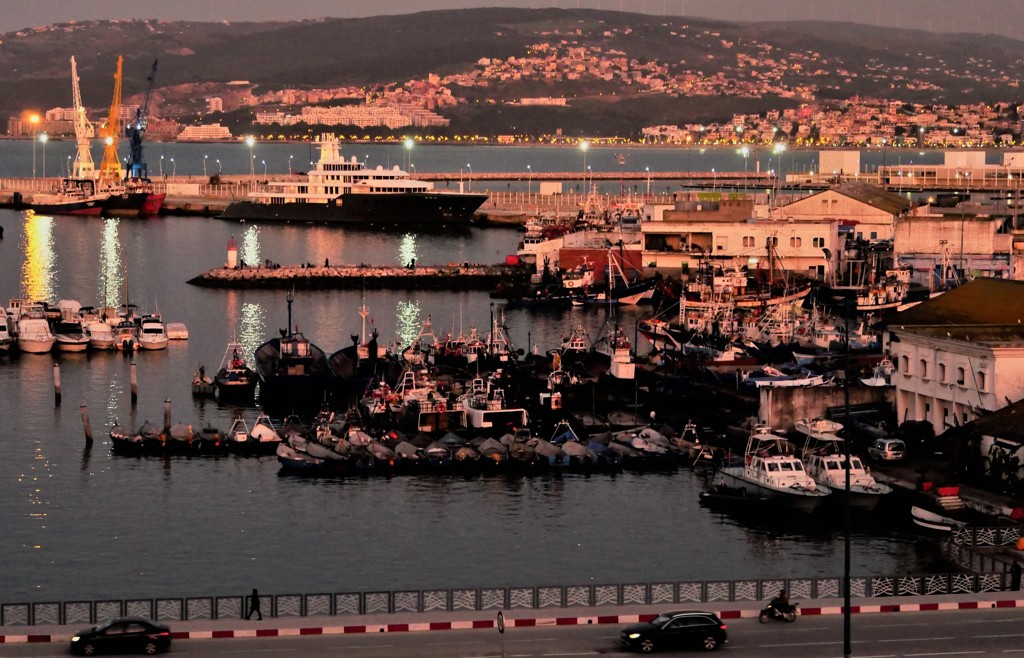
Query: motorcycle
785, 613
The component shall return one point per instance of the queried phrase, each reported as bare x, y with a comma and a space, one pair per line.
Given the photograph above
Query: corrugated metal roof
874, 196
983, 301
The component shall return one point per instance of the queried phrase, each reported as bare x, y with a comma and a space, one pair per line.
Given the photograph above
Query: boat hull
803, 501
367, 208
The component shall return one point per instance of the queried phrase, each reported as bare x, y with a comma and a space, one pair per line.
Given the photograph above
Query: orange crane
110, 166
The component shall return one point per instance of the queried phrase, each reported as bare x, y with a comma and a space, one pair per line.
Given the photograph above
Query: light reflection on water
250, 251
38, 269
407, 321
110, 265
407, 249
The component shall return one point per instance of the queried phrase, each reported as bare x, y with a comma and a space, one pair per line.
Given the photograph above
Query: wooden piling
85, 424
135, 384
167, 413
56, 383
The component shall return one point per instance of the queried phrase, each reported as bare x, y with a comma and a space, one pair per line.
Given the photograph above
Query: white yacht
101, 336
34, 336
771, 469
71, 336
825, 456
152, 333
6, 332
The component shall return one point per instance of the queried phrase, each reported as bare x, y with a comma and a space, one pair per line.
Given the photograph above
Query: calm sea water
81, 523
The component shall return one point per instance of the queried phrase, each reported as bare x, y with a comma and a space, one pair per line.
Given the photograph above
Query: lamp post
161, 165
44, 138
529, 180
251, 141
264, 168
648, 170
69, 166
204, 165
220, 167
290, 164
745, 152
584, 146
34, 120
469, 187
850, 307
174, 167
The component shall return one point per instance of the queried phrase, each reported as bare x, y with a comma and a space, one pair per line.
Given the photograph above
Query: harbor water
81, 523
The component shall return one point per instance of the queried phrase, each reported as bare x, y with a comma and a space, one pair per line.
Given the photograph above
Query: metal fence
497, 598
970, 548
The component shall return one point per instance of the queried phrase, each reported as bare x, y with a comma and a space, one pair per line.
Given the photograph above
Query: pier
454, 276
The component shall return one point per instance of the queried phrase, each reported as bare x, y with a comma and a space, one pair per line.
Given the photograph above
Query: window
906, 364
924, 369
775, 242
874, 235
981, 380
818, 242
942, 372
960, 375
795, 241
748, 241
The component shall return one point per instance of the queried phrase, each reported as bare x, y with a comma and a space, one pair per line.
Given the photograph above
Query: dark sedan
128, 635
677, 630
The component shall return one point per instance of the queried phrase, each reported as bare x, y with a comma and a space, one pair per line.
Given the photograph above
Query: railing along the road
975, 548
499, 598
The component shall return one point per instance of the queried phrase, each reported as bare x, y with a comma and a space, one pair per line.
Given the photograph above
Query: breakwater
467, 276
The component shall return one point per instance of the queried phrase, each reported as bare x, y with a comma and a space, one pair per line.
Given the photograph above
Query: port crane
110, 131
136, 130
84, 131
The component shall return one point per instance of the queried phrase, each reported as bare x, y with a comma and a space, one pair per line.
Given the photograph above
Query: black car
677, 630
128, 635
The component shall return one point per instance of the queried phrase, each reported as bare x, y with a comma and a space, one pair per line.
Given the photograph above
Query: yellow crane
111, 170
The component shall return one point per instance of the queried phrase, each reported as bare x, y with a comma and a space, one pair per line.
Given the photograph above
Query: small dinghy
933, 521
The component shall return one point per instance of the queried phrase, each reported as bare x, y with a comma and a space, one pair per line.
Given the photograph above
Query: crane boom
110, 165
136, 130
84, 167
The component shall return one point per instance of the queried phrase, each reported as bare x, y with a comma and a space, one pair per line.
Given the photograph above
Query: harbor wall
783, 407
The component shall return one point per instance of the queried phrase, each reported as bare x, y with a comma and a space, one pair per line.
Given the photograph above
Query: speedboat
771, 469
235, 380
34, 336
6, 334
70, 336
101, 336
152, 333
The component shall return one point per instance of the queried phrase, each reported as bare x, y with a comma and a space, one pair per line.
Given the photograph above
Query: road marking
881, 655
1007, 635
946, 653
585, 653
261, 650
361, 646
918, 639
893, 625
802, 644
542, 639
441, 644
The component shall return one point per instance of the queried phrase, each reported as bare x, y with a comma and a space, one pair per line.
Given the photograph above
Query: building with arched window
960, 354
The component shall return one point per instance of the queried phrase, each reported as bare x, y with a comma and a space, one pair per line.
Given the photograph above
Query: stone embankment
453, 276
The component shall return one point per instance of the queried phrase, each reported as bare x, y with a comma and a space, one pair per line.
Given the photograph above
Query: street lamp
174, 167
529, 180
204, 165
161, 164
251, 141
469, 187
34, 120
584, 146
43, 138
745, 152
220, 167
408, 148
648, 170
69, 166
290, 164
264, 168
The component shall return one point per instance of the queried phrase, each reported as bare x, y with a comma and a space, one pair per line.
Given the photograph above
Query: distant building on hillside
213, 131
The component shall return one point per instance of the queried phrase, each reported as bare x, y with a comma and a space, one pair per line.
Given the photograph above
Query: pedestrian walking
254, 605
1015, 570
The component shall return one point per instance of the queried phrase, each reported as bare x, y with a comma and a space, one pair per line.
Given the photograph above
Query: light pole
43, 138
849, 308
745, 152
290, 164
69, 166
469, 187
648, 170
529, 180
584, 146
220, 167
174, 167
34, 119
161, 166
251, 141
408, 149
204, 165
264, 168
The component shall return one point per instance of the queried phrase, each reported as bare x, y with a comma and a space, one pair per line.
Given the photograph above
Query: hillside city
807, 85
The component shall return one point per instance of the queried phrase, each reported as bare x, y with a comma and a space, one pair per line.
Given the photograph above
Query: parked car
887, 450
127, 635
676, 630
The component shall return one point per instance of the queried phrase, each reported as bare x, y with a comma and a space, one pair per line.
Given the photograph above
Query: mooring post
85, 423
56, 383
135, 384
167, 413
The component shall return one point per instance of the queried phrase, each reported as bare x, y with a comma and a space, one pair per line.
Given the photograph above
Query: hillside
633, 69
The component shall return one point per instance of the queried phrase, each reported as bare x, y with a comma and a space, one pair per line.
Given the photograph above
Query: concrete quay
580, 616
453, 276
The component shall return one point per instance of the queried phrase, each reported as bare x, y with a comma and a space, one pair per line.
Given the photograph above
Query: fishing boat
69, 197
235, 380
347, 191
292, 370
932, 521
771, 469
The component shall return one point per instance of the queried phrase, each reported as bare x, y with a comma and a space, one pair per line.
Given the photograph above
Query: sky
980, 16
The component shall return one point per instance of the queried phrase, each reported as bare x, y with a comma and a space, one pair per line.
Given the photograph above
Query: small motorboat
933, 521
202, 384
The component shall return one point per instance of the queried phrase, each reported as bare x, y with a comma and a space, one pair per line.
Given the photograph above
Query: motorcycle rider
780, 603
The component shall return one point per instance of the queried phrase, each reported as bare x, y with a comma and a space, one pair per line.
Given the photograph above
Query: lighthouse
232, 254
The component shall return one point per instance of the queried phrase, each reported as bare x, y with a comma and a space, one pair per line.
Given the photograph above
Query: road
985, 632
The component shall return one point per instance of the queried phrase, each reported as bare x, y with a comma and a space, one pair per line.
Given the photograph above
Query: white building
865, 212
960, 354
211, 131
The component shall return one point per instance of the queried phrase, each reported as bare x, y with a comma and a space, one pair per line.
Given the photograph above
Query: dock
467, 276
